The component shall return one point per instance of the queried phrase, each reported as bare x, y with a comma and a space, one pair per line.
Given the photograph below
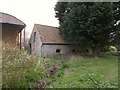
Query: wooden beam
20, 39
24, 37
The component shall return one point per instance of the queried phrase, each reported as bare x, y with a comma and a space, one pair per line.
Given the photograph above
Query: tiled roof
49, 34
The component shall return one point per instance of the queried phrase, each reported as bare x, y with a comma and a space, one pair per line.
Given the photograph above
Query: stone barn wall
52, 50
47, 46
35, 43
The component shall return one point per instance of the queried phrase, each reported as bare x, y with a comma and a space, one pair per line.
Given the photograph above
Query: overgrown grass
78, 72
20, 70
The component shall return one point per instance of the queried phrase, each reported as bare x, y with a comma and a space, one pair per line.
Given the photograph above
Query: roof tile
49, 34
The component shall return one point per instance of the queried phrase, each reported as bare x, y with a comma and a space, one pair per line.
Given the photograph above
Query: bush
113, 50
20, 70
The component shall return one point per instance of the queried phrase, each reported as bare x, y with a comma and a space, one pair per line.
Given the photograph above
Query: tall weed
20, 70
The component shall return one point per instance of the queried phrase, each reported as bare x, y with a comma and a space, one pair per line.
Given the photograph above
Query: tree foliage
88, 24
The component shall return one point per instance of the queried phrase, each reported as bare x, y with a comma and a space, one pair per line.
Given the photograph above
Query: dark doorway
73, 51
30, 46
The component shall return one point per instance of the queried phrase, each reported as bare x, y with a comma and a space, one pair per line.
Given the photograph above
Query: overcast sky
31, 11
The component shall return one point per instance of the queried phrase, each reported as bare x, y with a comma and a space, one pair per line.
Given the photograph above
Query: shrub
20, 70
113, 50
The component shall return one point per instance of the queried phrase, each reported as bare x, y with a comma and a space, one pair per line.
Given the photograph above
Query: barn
10, 30
46, 41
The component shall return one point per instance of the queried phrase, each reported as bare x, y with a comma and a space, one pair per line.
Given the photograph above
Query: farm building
11, 28
46, 41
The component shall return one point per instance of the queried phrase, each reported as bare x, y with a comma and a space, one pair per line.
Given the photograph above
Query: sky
31, 11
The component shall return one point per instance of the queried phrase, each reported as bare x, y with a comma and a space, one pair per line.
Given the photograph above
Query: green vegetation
20, 70
87, 73
113, 49
92, 24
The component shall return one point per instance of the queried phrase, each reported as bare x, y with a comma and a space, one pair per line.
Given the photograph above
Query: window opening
58, 50
34, 36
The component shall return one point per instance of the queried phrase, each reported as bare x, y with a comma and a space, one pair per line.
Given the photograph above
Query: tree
60, 9
88, 24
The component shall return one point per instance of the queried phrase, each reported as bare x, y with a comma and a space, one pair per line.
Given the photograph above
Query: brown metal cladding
9, 19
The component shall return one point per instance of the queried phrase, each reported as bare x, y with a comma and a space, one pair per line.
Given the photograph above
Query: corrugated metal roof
49, 34
9, 19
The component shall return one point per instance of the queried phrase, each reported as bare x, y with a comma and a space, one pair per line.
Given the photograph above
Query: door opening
30, 46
